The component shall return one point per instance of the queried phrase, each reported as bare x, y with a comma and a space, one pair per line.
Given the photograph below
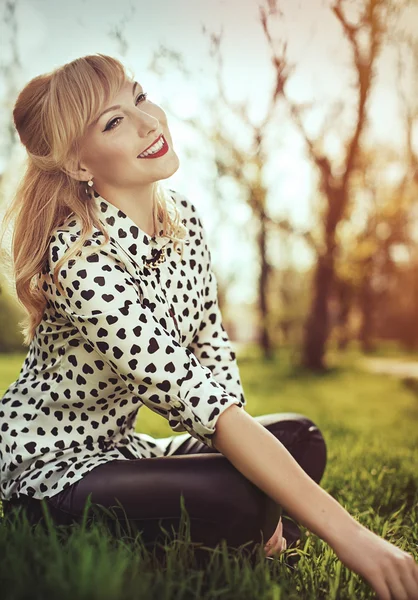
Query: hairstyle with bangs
51, 115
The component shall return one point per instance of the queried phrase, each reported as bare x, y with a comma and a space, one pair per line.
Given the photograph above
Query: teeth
157, 146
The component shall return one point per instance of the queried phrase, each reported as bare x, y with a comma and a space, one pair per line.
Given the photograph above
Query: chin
172, 167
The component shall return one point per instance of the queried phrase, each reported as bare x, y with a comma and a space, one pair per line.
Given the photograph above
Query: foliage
10, 315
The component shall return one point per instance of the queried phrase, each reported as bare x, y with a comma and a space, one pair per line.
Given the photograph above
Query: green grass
370, 423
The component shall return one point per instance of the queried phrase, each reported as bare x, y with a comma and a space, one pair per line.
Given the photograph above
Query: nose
145, 123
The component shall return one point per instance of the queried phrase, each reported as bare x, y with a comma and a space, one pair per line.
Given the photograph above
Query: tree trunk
366, 309
264, 337
367, 303
317, 325
345, 296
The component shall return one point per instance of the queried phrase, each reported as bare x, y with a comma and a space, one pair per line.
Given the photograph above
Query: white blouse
130, 332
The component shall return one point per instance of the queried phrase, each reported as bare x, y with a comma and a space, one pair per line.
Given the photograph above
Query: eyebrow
117, 106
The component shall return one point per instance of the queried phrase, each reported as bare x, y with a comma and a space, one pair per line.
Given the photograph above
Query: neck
137, 204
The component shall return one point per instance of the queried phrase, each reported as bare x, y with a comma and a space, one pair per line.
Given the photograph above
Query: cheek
117, 152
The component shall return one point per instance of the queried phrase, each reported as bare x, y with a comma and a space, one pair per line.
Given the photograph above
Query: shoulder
93, 249
188, 209
64, 237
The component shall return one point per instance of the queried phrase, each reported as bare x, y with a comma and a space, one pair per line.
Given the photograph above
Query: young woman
115, 273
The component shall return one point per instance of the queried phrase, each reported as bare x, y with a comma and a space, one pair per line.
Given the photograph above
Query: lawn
370, 423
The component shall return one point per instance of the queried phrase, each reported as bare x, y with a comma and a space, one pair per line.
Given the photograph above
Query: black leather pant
221, 502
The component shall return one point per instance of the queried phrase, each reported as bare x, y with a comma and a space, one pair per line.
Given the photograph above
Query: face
126, 127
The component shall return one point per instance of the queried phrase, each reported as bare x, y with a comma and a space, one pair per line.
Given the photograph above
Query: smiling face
126, 127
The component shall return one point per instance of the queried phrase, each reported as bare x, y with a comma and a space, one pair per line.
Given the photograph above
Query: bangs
79, 91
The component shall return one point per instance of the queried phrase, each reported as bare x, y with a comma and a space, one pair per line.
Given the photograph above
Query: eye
110, 125
144, 94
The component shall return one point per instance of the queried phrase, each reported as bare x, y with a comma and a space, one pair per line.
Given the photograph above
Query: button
176, 404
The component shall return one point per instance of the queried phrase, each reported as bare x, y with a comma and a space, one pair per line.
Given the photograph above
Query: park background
296, 125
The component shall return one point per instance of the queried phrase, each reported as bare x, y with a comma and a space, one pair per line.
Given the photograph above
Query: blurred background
296, 125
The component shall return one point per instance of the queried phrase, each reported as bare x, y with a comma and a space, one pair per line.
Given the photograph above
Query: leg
220, 501
149, 489
302, 438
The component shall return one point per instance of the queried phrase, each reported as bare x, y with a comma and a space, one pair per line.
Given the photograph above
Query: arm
265, 461
211, 344
105, 303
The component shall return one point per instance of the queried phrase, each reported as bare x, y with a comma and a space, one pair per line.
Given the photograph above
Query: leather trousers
221, 502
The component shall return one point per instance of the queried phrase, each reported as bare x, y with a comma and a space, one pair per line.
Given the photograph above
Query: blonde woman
115, 273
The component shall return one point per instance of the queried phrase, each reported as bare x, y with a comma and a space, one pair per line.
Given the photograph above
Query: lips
151, 145
163, 150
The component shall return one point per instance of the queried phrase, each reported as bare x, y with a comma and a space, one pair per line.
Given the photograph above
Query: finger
271, 543
277, 532
273, 539
284, 544
275, 547
280, 546
409, 577
380, 587
274, 551
277, 535
395, 584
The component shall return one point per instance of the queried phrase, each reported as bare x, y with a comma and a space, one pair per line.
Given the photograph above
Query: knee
302, 427
310, 435
310, 428
304, 440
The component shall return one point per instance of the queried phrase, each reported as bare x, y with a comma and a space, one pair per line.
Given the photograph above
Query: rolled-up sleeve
106, 305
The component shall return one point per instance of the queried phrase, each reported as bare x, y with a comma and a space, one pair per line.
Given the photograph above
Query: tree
365, 38
366, 266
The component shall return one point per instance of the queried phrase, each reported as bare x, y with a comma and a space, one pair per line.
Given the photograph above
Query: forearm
263, 459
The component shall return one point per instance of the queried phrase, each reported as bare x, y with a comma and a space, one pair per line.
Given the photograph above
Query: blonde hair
51, 115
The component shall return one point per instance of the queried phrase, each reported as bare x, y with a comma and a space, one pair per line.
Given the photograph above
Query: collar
140, 246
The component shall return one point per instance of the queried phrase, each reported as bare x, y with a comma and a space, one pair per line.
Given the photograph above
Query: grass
370, 423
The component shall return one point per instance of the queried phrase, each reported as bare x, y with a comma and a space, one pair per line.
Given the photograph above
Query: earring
89, 185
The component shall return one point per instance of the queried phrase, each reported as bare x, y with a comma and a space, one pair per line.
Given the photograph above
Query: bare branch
118, 31
364, 65
409, 106
282, 68
286, 226
238, 108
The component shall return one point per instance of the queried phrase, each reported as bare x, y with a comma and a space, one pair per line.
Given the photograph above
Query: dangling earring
90, 184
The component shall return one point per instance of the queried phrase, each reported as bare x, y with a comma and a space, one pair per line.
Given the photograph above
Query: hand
391, 572
277, 543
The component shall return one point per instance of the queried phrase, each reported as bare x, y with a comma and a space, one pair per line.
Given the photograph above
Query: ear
77, 171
